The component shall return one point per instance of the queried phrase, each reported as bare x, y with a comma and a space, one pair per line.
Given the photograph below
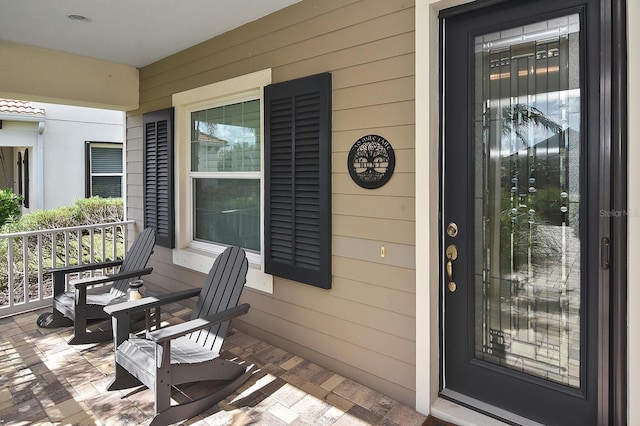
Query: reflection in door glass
527, 199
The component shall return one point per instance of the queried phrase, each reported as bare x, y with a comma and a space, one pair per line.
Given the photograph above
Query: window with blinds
104, 165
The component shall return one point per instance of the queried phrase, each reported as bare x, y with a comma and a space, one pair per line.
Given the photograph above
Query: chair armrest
150, 302
178, 330
58, 274
84, 282
86, 267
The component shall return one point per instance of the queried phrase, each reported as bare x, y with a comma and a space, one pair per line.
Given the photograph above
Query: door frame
613, 343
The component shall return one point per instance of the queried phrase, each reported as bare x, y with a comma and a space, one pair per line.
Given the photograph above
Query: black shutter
87, 169
158, 175
298, 180
26, 177
20, 176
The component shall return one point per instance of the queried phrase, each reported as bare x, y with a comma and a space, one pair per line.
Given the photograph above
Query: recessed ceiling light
82, 18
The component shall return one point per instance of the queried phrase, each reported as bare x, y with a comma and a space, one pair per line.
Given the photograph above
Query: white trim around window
193, 254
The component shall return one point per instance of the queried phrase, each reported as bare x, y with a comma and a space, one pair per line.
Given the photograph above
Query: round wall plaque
371, 161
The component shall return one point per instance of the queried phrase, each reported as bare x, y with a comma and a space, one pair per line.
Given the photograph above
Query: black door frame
615, 94
612, 321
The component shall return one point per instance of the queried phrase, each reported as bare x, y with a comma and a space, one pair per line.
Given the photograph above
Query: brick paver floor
43, 380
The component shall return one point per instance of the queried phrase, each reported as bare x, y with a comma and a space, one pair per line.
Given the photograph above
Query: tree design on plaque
371, 161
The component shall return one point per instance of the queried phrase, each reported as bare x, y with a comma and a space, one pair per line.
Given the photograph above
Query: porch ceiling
134, 33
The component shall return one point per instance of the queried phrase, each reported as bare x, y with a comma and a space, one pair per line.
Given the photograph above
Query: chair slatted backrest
220, 292
135, 259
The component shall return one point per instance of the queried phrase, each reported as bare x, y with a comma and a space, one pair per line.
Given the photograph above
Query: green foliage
87, 211
100, 210
9, 205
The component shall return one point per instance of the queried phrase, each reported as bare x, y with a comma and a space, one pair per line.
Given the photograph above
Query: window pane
227, 211
106, 186
106, 160
226, 138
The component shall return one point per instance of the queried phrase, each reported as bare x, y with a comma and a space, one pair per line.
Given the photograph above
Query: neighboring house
356, 279
55, 154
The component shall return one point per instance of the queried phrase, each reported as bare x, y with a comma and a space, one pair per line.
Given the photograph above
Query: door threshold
460, 413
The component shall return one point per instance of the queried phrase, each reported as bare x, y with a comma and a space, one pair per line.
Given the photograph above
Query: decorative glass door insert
526, 141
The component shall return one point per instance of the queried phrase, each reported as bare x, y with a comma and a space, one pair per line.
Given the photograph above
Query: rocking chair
187, 352
78, 307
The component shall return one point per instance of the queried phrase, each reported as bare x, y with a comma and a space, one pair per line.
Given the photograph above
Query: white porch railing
26, 257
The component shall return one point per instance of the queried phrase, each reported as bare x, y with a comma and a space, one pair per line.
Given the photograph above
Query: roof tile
10, 106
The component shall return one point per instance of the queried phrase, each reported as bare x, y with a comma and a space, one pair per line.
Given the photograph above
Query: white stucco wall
16, 133
66, 130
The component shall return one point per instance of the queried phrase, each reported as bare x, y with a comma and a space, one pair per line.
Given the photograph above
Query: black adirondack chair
187, 352
80, 307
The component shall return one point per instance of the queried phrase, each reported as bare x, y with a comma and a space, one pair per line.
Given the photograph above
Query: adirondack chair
79, 307
187, 352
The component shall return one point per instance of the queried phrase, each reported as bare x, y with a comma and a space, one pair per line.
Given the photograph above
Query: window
219, 148
225, 173
253, 169
104, 169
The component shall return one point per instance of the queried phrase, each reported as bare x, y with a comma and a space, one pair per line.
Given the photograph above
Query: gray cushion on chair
183, 351
68, 299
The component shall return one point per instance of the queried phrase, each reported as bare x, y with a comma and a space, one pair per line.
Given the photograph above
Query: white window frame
109, 145
198, 255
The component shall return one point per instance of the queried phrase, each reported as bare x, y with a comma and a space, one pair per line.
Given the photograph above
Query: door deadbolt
452, 229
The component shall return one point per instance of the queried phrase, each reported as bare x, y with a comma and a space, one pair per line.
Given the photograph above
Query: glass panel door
521, 185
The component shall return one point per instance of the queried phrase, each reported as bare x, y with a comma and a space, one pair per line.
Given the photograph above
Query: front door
521, 180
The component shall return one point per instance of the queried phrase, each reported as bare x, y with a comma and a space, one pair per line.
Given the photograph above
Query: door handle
452, 255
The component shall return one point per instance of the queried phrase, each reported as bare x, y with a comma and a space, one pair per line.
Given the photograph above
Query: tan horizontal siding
134, 179
345, 45
356, 345
134, 203
401, 232
383, 207
340, 324
400, 137
357, 56
378, 93
364, 326
134, 156
400, 184
392, 114
389, 68
382, 297
331, 29
167, 277
243, 35
348, 360
398, 255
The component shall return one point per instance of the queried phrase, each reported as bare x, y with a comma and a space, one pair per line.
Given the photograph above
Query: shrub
100, 210
83, 212
9, 205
